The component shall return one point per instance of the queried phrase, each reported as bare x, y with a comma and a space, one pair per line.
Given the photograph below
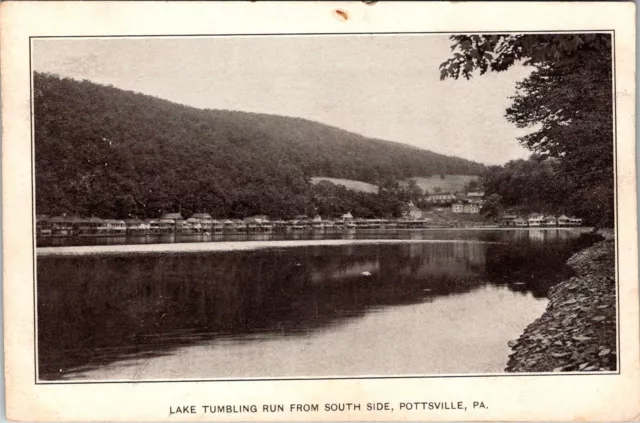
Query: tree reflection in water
94, 310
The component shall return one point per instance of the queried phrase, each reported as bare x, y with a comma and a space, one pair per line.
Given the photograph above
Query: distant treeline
103, 151
543, 185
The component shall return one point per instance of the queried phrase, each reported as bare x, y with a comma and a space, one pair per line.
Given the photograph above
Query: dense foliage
567, 101
534, 185
103, 151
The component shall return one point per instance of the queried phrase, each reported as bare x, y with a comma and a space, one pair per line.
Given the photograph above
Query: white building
536, 219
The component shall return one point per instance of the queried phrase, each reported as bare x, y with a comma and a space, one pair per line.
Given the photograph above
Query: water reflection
95, 310
532, 235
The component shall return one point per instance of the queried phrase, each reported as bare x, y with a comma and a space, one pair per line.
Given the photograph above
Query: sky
385, 87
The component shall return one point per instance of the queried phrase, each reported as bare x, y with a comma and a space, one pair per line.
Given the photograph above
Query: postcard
331, 211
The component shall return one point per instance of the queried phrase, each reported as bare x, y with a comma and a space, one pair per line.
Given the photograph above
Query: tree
473, 185
414, 192
567, 100
492, 208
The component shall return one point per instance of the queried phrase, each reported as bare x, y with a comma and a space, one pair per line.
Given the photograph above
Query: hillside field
450, 183
348, 183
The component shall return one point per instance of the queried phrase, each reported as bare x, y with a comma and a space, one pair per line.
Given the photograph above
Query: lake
416, 303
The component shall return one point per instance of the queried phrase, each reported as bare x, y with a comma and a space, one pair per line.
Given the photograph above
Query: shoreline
244, 245
201, 247
577, 331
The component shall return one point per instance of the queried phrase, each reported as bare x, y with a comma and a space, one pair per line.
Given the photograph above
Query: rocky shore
577, 332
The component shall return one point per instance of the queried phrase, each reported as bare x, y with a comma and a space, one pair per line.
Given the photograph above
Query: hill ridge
104, 150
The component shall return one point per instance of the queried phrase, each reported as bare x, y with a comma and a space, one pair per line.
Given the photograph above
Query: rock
566, 332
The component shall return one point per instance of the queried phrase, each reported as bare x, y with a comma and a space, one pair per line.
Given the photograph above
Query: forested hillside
103, 151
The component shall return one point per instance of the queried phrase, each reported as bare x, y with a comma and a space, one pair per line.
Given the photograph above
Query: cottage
264, 223
329, 224
412, 212
61, 226
162, 226
43, 225
260, 218
252, 224
477, 195
204, 219
296, 225
87, 226
133, 226
317, 223
279, 225
535, 219
195, 225
228, 225
575, 221
520, 222
217, 226
441, 198
347, 217
116, 227
146, 226
471, 208
508, 220
466, 207
563, 221
239, 225
550, 221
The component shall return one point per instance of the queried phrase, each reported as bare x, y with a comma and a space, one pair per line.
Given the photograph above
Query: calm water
426, 308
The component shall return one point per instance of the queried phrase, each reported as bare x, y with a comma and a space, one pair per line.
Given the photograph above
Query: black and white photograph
319, 211
324, 206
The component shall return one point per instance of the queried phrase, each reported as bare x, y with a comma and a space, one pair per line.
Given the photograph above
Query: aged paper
205, 219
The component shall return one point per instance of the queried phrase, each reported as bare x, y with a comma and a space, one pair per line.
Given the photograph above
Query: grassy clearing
450, 183
349, 183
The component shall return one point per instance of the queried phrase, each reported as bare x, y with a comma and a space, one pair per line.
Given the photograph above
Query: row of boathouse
205, 223
536, 220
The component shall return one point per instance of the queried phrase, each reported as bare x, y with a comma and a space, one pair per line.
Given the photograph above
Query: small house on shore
520, 222
216, 226
204, 219
465, 207
137, 226
441, 198
43, 225
535, 219
508, 220
193, 224
61, 225
412, 212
